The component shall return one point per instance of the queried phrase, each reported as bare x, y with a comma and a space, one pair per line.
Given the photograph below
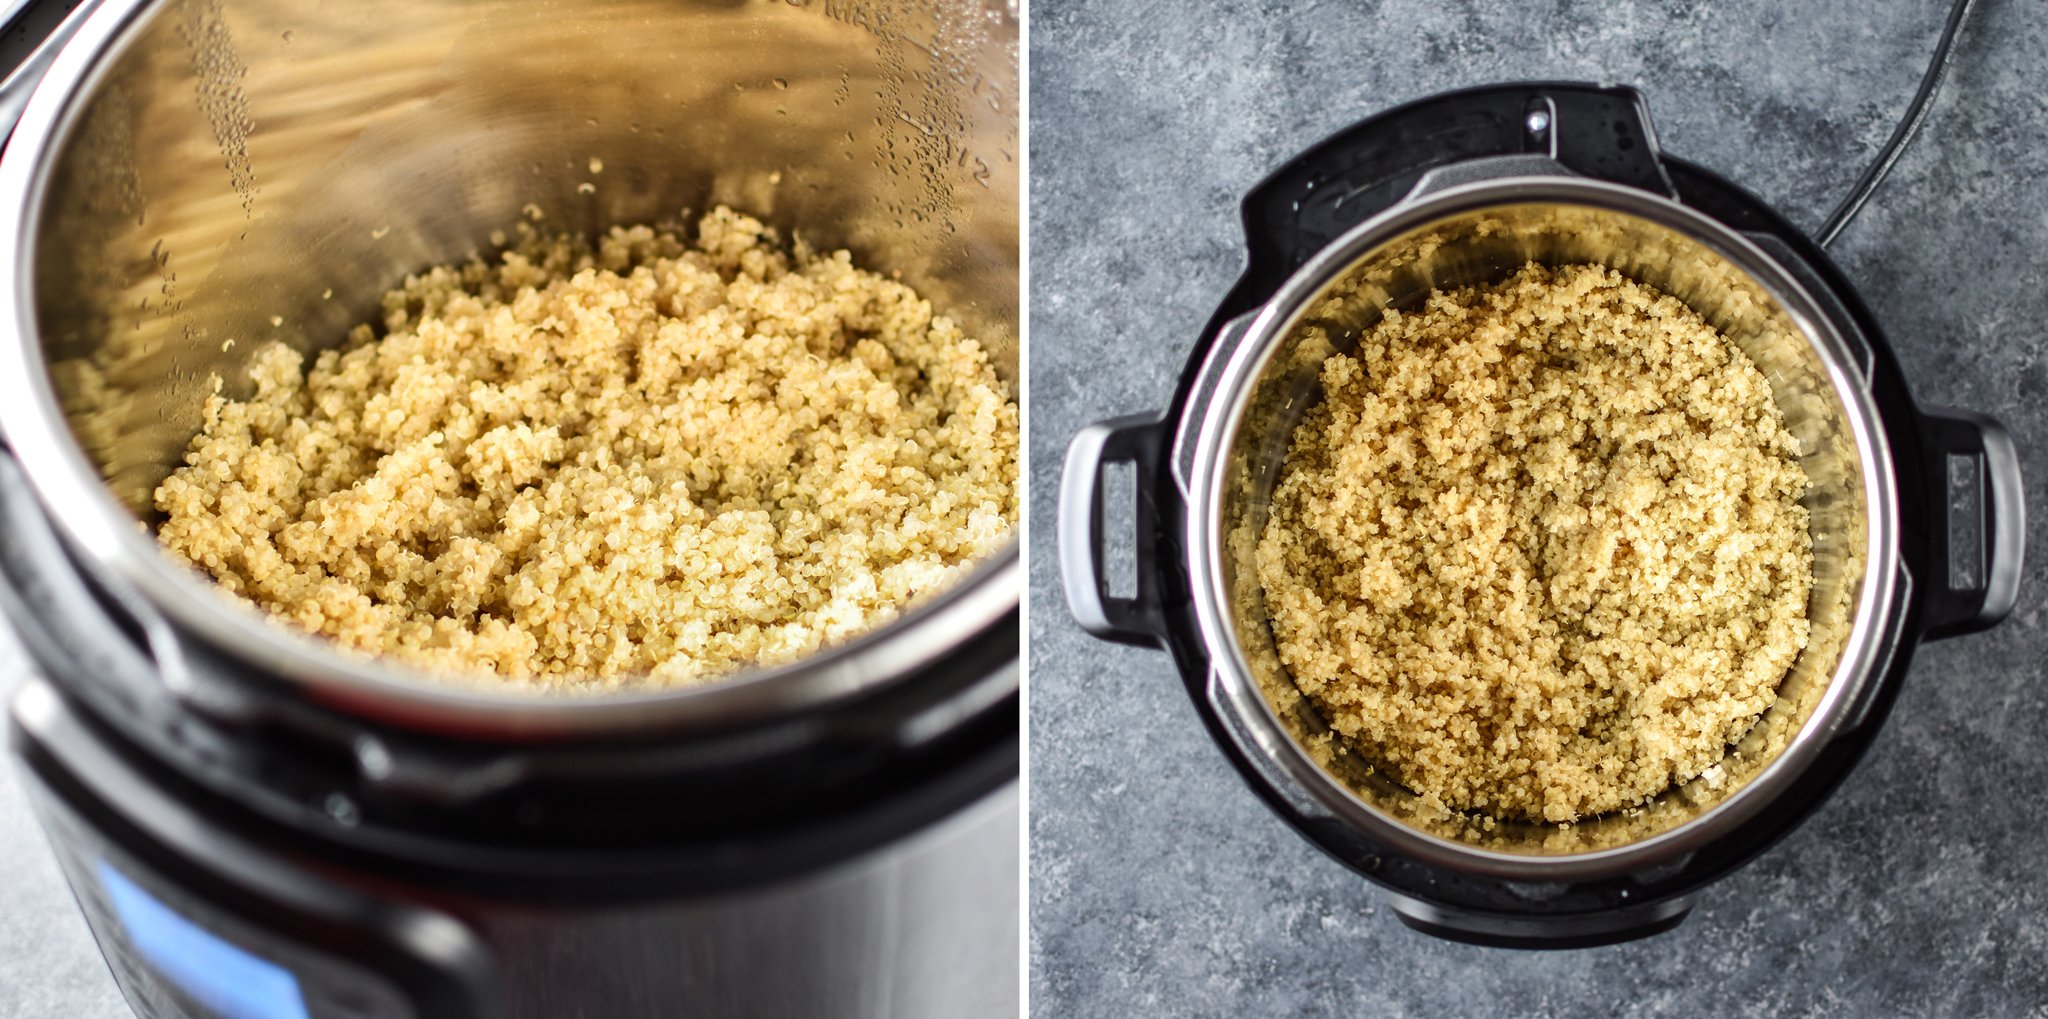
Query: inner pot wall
1485, 246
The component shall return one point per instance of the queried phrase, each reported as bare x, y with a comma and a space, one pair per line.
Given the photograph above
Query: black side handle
1979, 529
1139, 440
1600, 131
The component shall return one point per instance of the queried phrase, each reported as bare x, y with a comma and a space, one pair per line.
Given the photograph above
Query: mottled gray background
1160, 886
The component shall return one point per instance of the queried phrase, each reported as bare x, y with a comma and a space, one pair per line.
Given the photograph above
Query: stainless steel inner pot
1262, 380
192, 178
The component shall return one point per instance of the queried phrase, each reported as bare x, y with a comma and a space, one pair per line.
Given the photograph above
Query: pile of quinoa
1538, 552
579, 464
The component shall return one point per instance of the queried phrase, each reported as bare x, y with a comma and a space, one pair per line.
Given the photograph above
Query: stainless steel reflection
193, 178
1230, 448
926, 926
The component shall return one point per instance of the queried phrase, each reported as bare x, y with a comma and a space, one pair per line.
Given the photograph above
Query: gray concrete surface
1160, 886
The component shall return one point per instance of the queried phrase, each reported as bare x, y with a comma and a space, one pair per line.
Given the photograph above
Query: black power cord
1916, 114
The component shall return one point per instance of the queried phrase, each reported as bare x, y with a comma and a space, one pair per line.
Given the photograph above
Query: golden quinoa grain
644, 457
1538, 552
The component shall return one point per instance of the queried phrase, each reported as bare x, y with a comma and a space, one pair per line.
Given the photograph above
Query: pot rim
119, 552
1211, 432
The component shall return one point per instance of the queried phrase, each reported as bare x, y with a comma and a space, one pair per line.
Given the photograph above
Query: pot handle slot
1979, 528
1138, 440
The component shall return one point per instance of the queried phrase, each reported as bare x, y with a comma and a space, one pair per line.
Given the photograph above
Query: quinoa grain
1539, 552
581, 464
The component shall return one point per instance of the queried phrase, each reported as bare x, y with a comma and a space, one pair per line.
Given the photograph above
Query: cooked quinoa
576, 465
1538, 551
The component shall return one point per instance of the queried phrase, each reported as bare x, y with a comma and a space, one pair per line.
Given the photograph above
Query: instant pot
256, 825
1916, 512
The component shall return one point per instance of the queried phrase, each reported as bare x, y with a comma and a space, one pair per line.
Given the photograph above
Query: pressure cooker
1916, 513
